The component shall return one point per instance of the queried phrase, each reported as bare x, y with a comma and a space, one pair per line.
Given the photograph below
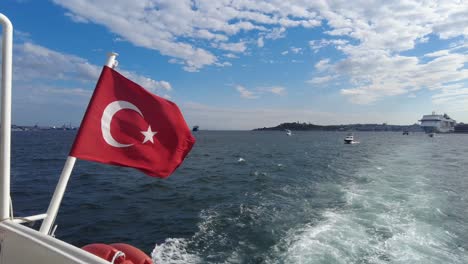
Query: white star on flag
148, 135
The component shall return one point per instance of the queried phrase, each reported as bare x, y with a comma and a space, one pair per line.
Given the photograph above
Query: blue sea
264, 197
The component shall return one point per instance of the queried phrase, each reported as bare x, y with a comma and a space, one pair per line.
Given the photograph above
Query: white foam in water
173, 251
389, 218
351, 238
391, 215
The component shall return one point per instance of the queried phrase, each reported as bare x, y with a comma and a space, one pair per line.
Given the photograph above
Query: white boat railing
5, 140
18, 243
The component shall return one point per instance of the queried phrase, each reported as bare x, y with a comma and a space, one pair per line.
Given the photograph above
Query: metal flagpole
5, 141
65, 176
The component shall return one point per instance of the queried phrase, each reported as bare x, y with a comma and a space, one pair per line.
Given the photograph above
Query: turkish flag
128, 126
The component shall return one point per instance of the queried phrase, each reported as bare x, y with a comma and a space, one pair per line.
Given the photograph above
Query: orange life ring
113, 253
133, 254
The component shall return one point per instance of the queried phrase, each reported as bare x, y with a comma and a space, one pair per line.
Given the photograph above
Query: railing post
5, 140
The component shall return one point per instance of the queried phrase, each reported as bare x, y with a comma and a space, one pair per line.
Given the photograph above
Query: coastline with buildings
41, 128
461, 128
433, 123
345, 127
428, 123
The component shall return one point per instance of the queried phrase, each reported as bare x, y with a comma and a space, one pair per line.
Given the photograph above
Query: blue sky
246, 64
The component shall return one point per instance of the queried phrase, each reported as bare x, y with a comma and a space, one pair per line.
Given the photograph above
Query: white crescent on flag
109, 112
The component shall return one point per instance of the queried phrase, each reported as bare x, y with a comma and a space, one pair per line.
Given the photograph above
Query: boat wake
391, 215
174, 250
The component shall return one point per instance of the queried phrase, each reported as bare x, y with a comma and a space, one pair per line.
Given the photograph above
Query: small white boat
288, 132
349, 139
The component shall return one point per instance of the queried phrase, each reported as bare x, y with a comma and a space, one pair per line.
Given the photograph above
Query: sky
240, 64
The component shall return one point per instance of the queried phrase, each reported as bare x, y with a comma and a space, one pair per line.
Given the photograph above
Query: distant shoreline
350, 127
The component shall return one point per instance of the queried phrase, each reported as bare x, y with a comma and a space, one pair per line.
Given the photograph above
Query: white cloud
21, 36
260, 42
231, 56
260, 91
276, 33
293, 50
34, 65
452, 98
323, 65
174, 28
234, 47
376, 75
360, 96
244, 93
278, 90
438, 53
33, 62
80, 92
322, 79
47, 82
296, 50
205, 34
76, 18
316, 45
148, 83
372, 37
175, 61
450, 95
454, 22
224, 64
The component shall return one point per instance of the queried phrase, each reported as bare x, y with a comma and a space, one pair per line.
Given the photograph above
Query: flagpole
65, 176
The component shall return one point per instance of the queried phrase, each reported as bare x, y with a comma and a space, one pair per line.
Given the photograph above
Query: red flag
128, 126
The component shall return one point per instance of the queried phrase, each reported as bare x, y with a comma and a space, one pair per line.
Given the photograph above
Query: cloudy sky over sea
246, 64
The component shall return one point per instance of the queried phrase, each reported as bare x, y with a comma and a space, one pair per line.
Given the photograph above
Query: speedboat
288, 132
349, 139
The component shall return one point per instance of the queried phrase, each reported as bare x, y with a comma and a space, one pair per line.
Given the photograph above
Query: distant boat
349, 139
405, 132
288, 132
195, 128
431, 134
437, 123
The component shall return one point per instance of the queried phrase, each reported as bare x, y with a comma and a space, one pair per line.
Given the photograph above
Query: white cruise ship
437, 123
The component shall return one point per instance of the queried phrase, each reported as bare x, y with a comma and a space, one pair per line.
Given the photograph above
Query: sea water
264, 197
